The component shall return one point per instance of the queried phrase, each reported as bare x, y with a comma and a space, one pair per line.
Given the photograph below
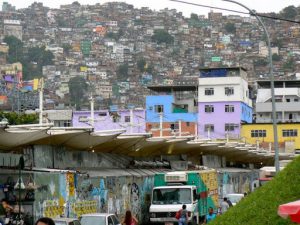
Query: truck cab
167, 200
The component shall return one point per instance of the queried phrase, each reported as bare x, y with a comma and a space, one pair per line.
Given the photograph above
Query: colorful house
223, 102
172, 110
132, 121
262, 135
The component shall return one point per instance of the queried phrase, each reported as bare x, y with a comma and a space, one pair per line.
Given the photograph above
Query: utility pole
271, 75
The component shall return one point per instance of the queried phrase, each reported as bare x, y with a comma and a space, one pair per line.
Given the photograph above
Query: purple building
223, 103
132, 121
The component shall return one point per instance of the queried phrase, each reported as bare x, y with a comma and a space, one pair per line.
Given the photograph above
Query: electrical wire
236, 11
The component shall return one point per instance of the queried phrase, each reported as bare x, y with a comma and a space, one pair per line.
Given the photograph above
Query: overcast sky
258, 5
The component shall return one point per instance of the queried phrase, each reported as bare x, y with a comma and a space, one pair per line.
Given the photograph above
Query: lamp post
271, 75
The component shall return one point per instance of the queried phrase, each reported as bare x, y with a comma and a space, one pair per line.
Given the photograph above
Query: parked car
99, 219
66, 221
235, 198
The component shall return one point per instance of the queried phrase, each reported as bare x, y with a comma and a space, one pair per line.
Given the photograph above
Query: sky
260, 6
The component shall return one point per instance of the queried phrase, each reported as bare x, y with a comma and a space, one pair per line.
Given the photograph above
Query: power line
235, 11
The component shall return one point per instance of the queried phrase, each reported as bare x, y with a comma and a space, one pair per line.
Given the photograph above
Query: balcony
280, 106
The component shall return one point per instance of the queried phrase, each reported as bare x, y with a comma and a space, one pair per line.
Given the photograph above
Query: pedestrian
8, 211
229, 202
210, 216
224, 205
130, 219
45, 221
183, 220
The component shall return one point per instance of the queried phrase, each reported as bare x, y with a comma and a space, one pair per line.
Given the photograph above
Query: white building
287, 98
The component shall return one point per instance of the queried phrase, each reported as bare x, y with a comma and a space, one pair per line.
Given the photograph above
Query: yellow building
262, 134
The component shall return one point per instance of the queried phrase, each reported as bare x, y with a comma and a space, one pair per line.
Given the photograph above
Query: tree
289, 64
141, 64
67, 48
77, 89
122, 72
19, 118
289, 12
15, 52
276, 57
230, 28
194, 16
35, 59
162, 36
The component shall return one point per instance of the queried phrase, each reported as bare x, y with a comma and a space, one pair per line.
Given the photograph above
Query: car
99, 219
235, 198
66, 221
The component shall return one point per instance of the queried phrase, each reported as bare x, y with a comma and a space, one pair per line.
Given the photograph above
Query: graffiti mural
135, 199
71, 195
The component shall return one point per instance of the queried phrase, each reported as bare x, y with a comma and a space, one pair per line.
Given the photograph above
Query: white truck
198, 190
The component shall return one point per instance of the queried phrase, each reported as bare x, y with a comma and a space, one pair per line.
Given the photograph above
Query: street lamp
271, 75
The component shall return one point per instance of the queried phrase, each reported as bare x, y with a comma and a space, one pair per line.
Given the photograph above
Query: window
288, 100
229, 108
67, 123
209, 127
102, 114
187, 124
229, 91
195, 195
127, 119
174, 126
82, 119
159, 108
209, 91
258, 133
209, 108
296, 100
289, 133
230, 126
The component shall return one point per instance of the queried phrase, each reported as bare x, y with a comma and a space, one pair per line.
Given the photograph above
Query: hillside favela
116, 114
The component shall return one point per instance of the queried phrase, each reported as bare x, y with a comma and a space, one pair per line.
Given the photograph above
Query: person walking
45, 221
224, 205
210, 216
130, 219
183, 220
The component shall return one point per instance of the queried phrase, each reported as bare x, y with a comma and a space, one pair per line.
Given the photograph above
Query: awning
291, 210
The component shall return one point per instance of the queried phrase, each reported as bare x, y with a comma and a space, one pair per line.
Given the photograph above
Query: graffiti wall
118, 194
236, 181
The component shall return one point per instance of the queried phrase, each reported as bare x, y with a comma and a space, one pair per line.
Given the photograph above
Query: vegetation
289, 64
18, 118
33, 61
77, 89
122, 72
141, 63
289, 12
230, 28
194, 16
260, 207
276, 57
162, 36
15, 52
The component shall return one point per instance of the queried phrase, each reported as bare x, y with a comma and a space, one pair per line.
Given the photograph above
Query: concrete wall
57, 157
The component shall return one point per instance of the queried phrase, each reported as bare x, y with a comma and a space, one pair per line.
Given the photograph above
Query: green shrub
260, 207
